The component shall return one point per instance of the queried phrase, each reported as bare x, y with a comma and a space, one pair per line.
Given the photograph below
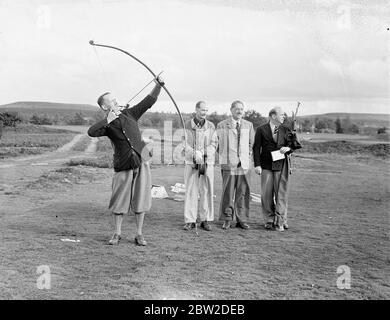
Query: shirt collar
273, 126
234, 122
199, 123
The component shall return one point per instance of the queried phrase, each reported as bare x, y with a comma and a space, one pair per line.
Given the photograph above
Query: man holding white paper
271, 152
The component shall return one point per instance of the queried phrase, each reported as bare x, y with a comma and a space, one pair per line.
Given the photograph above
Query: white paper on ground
159, 192
69, 240
178, 188
277, 155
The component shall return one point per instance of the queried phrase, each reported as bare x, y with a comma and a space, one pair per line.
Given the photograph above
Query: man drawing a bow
131, 182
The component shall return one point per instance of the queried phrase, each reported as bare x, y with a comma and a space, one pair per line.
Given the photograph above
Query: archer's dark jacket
264, 144
124, 132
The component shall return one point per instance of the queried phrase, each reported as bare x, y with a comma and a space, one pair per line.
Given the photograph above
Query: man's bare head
237, 109
107, 102
201, 110
276, 115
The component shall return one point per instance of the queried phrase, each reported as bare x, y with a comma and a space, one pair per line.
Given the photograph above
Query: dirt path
68, 147
24, 169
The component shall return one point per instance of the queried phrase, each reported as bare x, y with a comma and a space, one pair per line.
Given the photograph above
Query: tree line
157, 120
328, 125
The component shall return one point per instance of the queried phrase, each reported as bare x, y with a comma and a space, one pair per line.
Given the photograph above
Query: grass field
362, 139
338, 215
313, 143
82, 144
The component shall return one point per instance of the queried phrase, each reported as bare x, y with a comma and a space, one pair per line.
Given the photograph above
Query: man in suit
235, 142
131, 183
273, 136
199, 169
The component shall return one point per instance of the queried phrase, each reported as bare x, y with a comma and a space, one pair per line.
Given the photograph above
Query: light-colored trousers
131, 190
235, 195
196, 185
274, 195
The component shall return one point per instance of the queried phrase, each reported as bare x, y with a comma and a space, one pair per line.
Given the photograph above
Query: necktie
238, 138
275, 133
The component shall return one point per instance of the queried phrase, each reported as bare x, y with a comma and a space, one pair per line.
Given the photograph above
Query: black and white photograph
205, 151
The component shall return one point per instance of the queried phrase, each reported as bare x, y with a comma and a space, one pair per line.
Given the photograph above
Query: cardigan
124, 133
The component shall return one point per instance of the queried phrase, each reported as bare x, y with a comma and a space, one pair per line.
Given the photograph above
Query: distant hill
47, 105
28, 108
364, 119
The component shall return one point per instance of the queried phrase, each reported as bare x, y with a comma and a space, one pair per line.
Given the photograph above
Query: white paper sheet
277, 155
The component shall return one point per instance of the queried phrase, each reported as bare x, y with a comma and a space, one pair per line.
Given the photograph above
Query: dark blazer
124, 133
264, 144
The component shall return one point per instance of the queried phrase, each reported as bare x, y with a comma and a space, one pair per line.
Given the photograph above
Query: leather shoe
269, 226
140, 241
205, 225
115, 239
285, 226
226, 225
279, 228
189, 226
242, 225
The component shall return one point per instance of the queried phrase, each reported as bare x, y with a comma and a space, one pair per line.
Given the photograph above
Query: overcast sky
333, 56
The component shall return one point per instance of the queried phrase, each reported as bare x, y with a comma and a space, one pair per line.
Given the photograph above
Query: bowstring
143, 88
109, 82
102, 69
